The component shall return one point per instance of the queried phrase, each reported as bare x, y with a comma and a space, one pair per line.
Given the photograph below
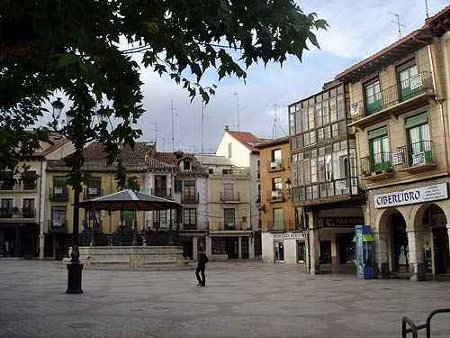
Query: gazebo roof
129, 200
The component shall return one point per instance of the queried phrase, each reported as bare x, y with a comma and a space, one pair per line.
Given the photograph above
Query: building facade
283, 239
239, 148
399, 110
23, 197
324, 178
230, 233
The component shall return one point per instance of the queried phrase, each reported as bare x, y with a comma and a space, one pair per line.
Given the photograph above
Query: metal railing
230, 227
276, 195
230, 196
58, 194
17, 213
393, 95
164, 193
275, 165
376, 163
413, 155
189, 199
408, 325
92, 192
328, 189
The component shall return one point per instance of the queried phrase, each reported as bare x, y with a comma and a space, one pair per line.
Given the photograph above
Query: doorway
399, 243
279, 251
435, 219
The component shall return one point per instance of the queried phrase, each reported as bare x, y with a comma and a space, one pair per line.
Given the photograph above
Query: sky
356, 30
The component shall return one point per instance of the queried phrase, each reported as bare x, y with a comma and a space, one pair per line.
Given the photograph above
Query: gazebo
129, 200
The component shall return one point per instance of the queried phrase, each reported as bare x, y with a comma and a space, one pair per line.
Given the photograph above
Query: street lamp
74, 268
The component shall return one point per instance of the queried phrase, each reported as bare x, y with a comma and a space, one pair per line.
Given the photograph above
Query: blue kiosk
364, 251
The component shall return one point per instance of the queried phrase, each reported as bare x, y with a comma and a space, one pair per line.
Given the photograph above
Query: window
278, 219
328, 168
28, 207
229, 217
301, 251
6, 207
94, 186
211, 171
276, 155
291, 122
372, 93
410, 80
230, 150
59, 185
58, 216
228, 191
6, 180
419, 140
333, 110
277, 183
379, 149
189, 188
186, 165
161, 185
190, 216
178, 186
227, 171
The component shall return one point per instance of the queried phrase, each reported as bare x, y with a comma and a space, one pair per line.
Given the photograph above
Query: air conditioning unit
276, 193
273, 164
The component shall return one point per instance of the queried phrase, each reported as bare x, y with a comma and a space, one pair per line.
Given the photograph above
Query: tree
73, 47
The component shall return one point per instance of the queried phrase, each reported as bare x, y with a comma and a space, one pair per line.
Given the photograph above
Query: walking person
202, 259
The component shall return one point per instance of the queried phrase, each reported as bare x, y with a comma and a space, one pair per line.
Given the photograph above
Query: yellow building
22, 211
399, 109
282, 236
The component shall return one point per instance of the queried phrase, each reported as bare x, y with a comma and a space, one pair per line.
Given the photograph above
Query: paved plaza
242, 299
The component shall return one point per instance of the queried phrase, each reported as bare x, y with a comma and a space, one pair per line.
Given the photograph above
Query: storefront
287, 247
231, 244
411, 230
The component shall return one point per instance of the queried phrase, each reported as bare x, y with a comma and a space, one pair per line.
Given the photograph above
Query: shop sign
397, 158
340, 222
288, 235
412, 196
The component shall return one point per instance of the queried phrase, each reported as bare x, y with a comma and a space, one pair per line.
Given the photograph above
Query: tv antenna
427, 13
172, 110
398, 23
275, 122
238, 126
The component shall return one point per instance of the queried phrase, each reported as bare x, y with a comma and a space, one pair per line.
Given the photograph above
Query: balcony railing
57, 225
189, 199
376, 164
277, 195
415, 155
17, 213
283, 226
58, 194
275, 165
190, 227
392, 96
92, 192
230, 226
230, 197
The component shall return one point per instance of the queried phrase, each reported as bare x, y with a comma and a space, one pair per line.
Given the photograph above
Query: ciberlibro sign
412, 196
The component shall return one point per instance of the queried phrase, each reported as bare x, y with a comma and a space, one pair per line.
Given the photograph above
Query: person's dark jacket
202, 259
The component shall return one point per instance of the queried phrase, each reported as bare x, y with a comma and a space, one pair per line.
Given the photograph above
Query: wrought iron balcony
275, 165
58, 194
164, 193
6, 212
17, 213
276, 195
377, 166
394, 99
92, 192
230, 197
230, 226
415, 156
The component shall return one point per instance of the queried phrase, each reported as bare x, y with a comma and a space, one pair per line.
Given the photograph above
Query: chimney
227, 128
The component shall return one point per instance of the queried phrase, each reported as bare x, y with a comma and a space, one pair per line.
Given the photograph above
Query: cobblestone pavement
242, 299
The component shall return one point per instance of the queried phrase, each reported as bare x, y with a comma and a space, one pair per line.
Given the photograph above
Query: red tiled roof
246, 138
274, 142
55, 141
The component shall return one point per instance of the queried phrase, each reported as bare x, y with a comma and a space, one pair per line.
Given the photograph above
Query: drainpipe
441, 109
41, 204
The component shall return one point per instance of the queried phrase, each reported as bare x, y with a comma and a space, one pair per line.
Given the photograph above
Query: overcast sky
357, 30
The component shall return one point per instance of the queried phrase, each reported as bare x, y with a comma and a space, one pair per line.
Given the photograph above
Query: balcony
92, 192
230, 197
189, 199
7, 184
275, 165
285, 226
16, 213
232, 226
58, 194
191, 227
414, 157
277, 196
57, 225
377, 166
330, 191
397, 99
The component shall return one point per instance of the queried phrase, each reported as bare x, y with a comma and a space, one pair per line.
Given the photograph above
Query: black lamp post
74, 268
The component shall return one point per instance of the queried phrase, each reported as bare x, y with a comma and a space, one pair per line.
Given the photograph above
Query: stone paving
242, 299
